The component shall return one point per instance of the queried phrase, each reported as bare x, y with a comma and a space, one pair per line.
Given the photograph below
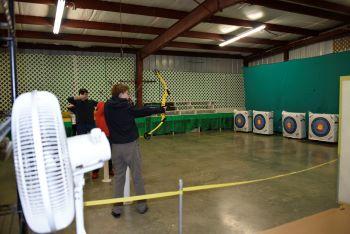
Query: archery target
293, 125
263, 122
320, 127
290, 125
259, 121
323, 127
243, 120
240, 121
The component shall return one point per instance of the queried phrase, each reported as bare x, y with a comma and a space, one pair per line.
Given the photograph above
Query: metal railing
5, 127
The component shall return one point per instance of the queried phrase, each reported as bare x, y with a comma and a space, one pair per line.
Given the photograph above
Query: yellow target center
259, 121
289, 125
239, 121
320, 127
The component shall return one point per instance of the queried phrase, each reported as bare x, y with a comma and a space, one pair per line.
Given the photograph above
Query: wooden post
139, 79
286, 56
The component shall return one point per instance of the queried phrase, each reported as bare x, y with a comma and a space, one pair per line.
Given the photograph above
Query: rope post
180, 205
127, 185
106, 178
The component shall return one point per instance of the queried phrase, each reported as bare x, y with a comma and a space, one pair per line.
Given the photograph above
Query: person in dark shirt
83, 108
120, 117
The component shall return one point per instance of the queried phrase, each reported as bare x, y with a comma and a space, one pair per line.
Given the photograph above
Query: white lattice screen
64, 74
225, 88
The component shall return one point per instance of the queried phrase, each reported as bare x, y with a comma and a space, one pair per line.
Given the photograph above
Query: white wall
344, 146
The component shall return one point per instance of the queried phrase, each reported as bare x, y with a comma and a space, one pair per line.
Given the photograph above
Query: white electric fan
49, 167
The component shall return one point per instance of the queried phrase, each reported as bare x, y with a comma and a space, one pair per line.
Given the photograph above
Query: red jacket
100, 118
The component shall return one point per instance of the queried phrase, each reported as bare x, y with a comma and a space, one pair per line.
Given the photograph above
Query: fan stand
79, 183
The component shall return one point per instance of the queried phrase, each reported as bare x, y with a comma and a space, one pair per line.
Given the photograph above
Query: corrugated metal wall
272, 59
193, 64
313, 50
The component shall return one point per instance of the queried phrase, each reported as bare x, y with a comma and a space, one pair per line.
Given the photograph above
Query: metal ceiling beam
35, 20
197, 54
332, 6
125, 41
301, 9
172, 14
40, 46
327, 35
197, 15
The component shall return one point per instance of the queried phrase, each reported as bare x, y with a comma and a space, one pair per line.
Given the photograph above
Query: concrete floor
215, 157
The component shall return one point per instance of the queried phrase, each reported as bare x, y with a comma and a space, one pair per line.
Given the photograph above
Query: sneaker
115, 215
94, 175
142, 208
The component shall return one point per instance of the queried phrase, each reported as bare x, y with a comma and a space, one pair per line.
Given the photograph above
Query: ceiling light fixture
59, 14
245, 34
255, 15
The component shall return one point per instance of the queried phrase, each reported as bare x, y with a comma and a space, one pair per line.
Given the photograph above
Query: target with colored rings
259, 121
239, 120
320, 127
289, 125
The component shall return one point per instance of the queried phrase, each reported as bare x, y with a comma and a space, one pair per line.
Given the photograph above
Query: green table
179, 123
69, 129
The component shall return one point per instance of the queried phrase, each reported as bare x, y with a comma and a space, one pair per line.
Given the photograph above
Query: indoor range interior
175, 116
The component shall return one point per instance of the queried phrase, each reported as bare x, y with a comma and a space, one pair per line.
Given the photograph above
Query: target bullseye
320, 127
240, 120
290, 125
259, 121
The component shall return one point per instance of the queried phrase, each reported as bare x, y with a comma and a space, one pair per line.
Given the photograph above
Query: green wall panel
302, 85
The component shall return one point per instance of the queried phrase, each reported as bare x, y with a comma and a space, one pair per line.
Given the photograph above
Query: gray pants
123, 156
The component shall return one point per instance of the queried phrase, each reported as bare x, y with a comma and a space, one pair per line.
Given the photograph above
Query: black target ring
289, 125
320, 127
259, 122
240, 120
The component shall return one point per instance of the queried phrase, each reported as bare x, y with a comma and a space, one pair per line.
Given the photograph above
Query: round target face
259, 121
289, 125
239, 120
320, 127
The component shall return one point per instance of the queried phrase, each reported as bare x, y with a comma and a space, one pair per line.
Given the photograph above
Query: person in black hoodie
120, 116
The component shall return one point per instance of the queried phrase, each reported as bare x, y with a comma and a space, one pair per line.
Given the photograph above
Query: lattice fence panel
342, 44
226, 89
64, 74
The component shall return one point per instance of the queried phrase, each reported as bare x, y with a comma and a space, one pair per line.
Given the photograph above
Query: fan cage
44, 176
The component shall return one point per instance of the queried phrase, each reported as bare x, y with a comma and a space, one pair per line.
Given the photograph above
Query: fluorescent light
255, 15
227, 28
245, 34
59, 14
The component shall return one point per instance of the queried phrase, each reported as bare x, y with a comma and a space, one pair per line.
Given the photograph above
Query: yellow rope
197, 188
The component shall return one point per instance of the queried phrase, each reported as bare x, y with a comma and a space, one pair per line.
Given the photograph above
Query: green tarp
180, 123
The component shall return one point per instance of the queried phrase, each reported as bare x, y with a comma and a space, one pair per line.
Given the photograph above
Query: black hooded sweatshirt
120, 117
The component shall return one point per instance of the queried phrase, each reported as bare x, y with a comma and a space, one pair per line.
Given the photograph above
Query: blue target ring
320, 127
240, 121
290, 125
259, 121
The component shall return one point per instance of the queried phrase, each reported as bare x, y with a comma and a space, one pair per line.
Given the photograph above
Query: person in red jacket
101, 123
